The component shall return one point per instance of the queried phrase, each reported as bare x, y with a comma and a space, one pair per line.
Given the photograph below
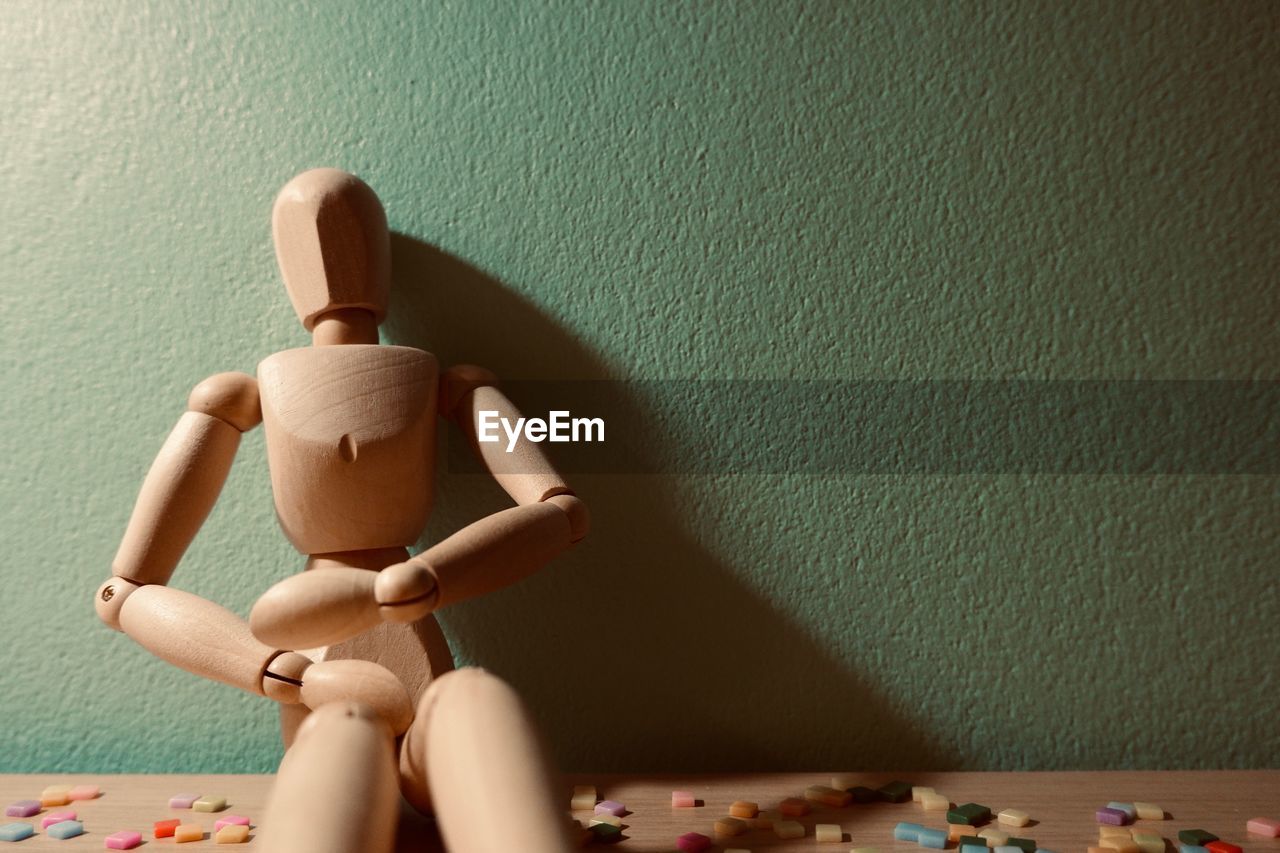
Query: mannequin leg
336, 790
472, 754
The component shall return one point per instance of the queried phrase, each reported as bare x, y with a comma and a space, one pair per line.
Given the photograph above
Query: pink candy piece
693, 842
56, 817
682, 800
123, 840
230, 820
611, 807
1264, 826
22, 808
182, 801
85, 792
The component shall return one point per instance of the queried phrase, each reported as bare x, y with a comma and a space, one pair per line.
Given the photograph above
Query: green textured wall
669, 192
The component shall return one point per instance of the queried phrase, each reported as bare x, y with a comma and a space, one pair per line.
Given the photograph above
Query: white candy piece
1013, 817
827, 832
919, 791
1148, 811
934, 802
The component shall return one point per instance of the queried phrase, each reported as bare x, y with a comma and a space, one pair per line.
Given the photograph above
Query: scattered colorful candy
123, 840
895, 792
935, 802
1115, 817
1264, 826
230, 820
16, 831
66, 829
730, 826
788, 829
693, 842
232, 833
182, 801
1013, 817
744, 809
1148, 811
209, 804
56, 817
166, 828
1196, 837
84, 792
907, 832
679, 799
825, 833
22, 808
934, 839
188, 832
584, 797
793, 807
55, 795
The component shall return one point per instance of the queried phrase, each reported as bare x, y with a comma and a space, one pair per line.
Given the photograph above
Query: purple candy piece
1115, 817
182, 801
22, 808
611, 807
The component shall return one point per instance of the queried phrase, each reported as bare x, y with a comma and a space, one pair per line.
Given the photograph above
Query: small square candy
611, 807
22, 808
123, 840
209, 804
730, 826
84, 792
789, 829
907, 831
230, 820
584, 797
682, 800
825, 833
1127, 808
16, 831
182, 801
55, 795
693, 842
232, 833
188, 832
1264, 826
56, 817
744, 809
66, 829
1115, 817
166, 828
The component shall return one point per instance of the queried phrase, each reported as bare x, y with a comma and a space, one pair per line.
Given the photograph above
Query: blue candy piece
1007, 848
1192, 848
1127, 808
935, 839
16, 831
65, 829
973, 848
907, 832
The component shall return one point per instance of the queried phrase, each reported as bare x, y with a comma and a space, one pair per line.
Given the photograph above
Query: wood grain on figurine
350, 444
496, 551
176, 497
332, 244
343, 766
359, 681
196, 635
316, 608
526, 474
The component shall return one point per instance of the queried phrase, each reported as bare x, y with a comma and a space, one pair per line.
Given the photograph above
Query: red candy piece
165, 828
1222, 847
693, 842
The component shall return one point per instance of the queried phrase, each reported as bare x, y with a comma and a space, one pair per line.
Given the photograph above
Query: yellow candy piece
209, 804
743, 809
1148, 811
189, 832
584, 797
994, 837
612, 820
1105, 831
232, 834
918, 791
1013, 817
827, 832
788, 829
1149, 842
935, 802
730, 826
55, 795
1119, 844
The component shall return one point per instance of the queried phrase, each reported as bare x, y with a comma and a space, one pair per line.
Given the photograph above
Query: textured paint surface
673, 191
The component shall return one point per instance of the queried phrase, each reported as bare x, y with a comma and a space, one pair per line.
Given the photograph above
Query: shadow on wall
639, 650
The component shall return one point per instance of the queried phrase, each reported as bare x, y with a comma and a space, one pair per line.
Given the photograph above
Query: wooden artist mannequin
370, 708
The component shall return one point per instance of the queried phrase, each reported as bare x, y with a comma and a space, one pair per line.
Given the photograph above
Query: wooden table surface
1061, 804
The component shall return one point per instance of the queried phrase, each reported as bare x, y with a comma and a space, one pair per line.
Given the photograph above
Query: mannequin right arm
177, 495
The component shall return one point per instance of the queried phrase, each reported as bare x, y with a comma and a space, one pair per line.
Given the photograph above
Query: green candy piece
1196, 837
971, 839
895, 792
1026, 844
605, 832
970, 813
864, 795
